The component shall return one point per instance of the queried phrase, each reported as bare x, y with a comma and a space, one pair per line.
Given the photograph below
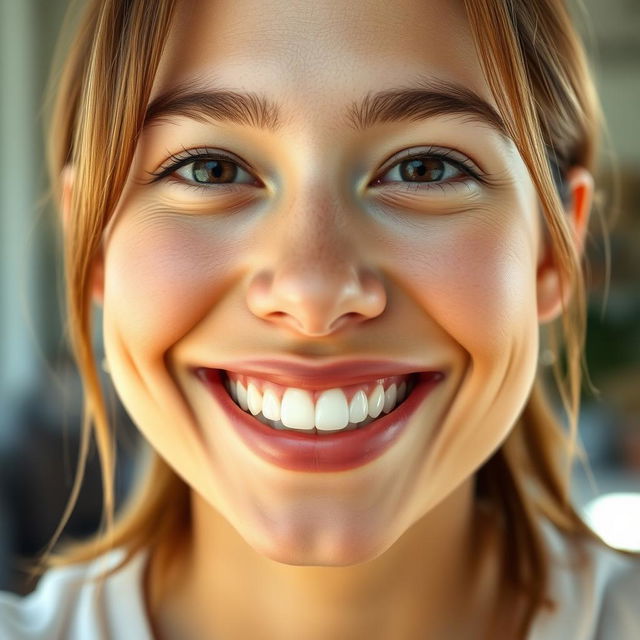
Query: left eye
213, 171
425, 169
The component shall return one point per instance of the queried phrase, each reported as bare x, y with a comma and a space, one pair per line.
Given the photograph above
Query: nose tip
313, 327
315, 303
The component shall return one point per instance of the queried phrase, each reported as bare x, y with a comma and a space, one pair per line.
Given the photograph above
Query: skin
315, 262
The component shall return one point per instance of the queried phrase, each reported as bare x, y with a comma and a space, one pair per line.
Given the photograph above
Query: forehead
322, 53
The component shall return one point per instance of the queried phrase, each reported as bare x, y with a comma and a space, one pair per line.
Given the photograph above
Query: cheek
476, 279
160, 279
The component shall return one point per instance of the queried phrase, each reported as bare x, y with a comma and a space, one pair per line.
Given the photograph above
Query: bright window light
615, 517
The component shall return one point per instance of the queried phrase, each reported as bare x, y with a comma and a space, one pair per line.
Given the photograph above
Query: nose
315, 279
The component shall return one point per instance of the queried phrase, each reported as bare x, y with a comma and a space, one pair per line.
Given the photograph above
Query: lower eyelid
431, 189
464, 179
221, 190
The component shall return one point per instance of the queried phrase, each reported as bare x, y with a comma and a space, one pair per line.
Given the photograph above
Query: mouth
326, 430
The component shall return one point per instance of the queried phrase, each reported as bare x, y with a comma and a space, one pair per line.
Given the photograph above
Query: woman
324, 237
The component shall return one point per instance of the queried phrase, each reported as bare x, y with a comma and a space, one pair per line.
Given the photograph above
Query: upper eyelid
186, 156
451, 155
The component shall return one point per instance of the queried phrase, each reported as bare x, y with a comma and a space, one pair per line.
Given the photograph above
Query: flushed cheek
477, 281
162, 276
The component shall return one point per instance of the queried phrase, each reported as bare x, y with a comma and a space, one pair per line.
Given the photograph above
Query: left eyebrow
429, 98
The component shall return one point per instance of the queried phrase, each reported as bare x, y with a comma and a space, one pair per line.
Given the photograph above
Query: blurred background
40, 394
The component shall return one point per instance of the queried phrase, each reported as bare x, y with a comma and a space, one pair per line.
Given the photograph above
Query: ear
66, 205
552, 289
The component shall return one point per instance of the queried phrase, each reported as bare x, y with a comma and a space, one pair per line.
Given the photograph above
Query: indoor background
40, 400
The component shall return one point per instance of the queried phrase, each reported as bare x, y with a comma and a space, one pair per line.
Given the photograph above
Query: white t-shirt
600, 603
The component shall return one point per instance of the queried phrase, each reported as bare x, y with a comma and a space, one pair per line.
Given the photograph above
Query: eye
213, 171
204, 170
428, 169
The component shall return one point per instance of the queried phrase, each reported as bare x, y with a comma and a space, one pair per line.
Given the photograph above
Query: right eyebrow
429, 98
210, 104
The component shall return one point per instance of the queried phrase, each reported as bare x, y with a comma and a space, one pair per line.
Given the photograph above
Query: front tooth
271, 405
297, 411
376, 401
241, 394
254, 399
390, 397
332, 411
358, 407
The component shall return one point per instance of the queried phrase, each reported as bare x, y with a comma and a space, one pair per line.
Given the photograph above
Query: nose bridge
316, 231
315, 277
316, 210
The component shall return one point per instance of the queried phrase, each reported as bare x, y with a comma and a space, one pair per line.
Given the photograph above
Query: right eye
212, 171
204, 170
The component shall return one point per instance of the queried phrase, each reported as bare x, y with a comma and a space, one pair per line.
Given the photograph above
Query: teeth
390, 397
331, 412
254, 399
376, 401
271, 405
297, 411
241, 392
358, 407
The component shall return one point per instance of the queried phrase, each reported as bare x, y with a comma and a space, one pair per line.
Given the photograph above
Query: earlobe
66, 202
553, 289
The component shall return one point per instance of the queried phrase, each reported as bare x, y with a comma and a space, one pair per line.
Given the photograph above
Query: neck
221, 583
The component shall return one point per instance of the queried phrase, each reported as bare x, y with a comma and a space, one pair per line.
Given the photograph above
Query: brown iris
422, 169
211, 171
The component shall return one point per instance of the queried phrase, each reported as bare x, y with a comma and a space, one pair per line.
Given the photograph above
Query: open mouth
309, 448
322, 411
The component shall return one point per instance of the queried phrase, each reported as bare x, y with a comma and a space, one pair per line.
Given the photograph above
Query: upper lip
303, 375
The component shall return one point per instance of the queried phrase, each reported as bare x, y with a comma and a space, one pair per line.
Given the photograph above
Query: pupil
212, 170
430, 168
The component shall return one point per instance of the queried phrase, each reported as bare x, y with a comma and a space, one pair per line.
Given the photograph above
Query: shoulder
620, 607
596, 590
70, 603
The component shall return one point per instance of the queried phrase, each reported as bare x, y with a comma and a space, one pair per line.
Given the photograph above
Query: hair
536, 68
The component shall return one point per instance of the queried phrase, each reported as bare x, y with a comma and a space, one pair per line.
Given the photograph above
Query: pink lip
290, 373
340, 451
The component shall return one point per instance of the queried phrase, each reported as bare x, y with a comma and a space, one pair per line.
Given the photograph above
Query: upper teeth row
331, 412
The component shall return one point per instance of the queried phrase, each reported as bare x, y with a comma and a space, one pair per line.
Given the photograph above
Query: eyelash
188, 156
448, 156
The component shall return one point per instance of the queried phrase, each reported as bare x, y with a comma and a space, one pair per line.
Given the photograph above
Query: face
319, 239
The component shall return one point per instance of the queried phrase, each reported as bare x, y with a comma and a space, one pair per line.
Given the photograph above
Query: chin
321, 550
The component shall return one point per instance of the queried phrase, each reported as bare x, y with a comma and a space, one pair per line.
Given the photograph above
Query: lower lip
339, 451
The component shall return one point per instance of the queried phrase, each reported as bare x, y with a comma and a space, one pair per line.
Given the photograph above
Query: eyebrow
427, 99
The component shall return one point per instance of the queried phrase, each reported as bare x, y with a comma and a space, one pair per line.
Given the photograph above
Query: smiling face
316, 236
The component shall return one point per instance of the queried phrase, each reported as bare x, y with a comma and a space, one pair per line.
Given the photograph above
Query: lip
292, 373
310, 452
